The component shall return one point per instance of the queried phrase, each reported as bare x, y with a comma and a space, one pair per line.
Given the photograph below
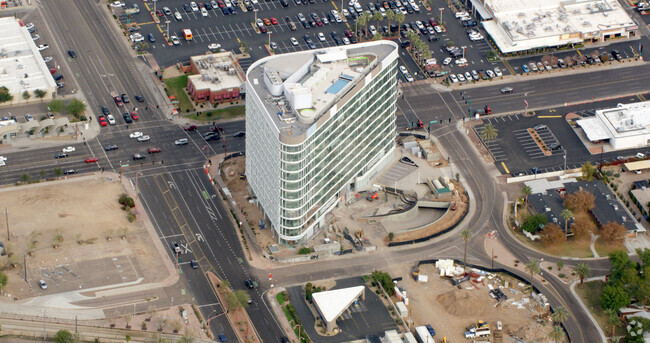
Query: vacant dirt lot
451, 310
83, 217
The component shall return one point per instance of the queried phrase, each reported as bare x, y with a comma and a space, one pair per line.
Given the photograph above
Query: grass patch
222, 113
175, 87
590, 293
571, 248
302, 333
280, 298
604, 250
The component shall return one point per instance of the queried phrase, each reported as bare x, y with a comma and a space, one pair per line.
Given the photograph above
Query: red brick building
216, 78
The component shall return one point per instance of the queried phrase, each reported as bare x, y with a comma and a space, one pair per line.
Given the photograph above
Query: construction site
456, 304
414, 199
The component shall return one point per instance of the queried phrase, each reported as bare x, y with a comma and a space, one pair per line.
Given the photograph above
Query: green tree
613, 320
390, 15
614, 297
63, 336
5, 95
39, 93
566, 214
3, 280
588, 171
399, 17
560, 265
559, 315
466, 235
378, 17
556, 334
56, 106
26, 95
142, 46
489, 133
526, 191
364, 18
532, 266
533, 223
25, 177
76, 107
582, 270
57, 172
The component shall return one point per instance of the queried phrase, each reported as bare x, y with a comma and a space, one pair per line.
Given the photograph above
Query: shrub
533, 223
561, 275
304, 251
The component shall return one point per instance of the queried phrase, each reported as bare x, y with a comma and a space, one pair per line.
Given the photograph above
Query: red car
153, 150
159, 13
52, 70
263, 29
102, 121
134, 115
221, 4
91, 160
118, 101
274, 21
190, 128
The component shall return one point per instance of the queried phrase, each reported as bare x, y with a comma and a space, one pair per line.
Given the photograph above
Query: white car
461, 61
474, 75
460, 77
373, 30
118, 4
446, 61
69, 149
36, 37
136, 38
29, 26
204, 12
43, 47
453, 78
259, 22
178, 16
3, 161
382, 11
346, 41
47, 59
167, 11
214, 46
461, 14
321, 37
214, 4
195, 8
42, 284
293, 41
438, 29
490, 73
136, 134
498, 72
111, 119
419, 25
144, 139
175, 40
468, 76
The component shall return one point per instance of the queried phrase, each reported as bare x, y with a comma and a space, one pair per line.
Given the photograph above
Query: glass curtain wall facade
297, 185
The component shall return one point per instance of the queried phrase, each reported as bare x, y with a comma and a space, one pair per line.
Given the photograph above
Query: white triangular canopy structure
331, 304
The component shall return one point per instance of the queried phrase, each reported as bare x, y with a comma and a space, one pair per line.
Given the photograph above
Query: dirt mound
462, 302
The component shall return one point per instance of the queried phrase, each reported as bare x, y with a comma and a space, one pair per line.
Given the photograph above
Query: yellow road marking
509, 67
549, 116
505, 168
553, 110
335, 6
238, 41
147, 23
579, 53
641, 97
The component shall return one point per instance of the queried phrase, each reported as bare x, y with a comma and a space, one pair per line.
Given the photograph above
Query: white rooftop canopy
594, 129
332, 303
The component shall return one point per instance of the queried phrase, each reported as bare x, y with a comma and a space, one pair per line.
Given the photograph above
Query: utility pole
25, 265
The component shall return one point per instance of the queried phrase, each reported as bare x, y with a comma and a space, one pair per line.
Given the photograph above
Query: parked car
69, 149
189, 128
138, 157
111, 147
182, 141
42, 284
69, 171
153, 150
144, 139
72, 54
60, 155
135, 134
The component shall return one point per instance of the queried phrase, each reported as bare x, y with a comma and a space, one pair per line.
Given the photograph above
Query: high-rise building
319, 125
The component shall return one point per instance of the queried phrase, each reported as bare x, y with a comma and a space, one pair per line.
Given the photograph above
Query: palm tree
526, 191
533, 267
377, 16
556, 334
489, 133
559, 315
566, 214
364, 18
588, 171
613, 320
399, 17
390, 15
465, 235
582, 270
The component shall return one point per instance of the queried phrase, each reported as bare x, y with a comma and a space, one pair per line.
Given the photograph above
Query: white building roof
332, 303
21, 65
543, 185
624, 120
526, 24
216, 72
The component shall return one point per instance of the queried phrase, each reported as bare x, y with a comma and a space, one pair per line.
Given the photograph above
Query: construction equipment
372, 196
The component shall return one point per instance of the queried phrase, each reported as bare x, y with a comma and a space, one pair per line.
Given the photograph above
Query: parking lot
232, 29
516, 153
369, 317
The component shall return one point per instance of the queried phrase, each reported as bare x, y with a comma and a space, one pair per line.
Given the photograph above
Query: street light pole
255, 11
208, 150
564, 161
167, 22
270, 39
441, 10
